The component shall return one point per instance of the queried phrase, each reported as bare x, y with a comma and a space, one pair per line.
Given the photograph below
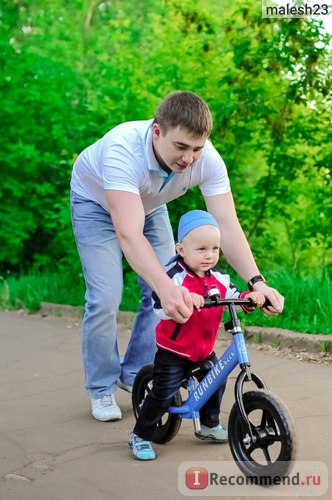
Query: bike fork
195, 414
246, 375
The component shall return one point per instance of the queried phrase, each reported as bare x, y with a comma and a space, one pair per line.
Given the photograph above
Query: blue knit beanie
188, 222
193, 219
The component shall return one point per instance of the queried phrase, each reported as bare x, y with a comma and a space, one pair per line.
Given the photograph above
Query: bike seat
198, 368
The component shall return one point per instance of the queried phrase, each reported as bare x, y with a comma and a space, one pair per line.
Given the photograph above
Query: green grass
29, 291
307, 305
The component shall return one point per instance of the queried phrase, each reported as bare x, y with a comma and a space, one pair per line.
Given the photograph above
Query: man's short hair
185, 110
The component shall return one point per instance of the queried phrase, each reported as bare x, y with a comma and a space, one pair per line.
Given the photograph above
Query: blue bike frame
235, 354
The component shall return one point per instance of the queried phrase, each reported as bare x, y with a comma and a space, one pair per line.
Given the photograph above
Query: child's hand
256, 297
198, 300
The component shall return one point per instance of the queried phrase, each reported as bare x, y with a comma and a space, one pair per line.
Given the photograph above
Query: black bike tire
164, 431
276, 410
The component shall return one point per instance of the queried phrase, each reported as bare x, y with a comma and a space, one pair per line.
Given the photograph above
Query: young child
181, 345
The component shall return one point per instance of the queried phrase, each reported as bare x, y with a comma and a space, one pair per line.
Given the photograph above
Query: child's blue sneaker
216, 434
140, 449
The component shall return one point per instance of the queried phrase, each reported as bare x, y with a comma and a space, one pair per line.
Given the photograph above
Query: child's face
200, 248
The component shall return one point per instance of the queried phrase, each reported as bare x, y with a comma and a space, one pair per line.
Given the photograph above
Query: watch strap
255, 279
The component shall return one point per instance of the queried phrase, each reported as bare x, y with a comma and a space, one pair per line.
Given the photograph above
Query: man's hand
177, 303
276, 299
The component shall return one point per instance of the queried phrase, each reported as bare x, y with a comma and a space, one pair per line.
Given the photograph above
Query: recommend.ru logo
221, 478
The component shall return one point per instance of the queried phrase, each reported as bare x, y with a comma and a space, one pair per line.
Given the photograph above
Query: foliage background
73, 70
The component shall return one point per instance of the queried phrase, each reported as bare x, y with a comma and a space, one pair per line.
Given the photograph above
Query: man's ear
179, 249
156, 131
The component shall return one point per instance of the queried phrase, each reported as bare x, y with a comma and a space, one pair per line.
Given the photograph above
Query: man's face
177, 149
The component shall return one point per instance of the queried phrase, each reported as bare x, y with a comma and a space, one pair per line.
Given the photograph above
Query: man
120, 187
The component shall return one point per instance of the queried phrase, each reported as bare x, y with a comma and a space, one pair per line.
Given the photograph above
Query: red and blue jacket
194, 339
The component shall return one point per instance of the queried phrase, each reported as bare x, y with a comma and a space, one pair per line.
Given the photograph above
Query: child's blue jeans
168, 373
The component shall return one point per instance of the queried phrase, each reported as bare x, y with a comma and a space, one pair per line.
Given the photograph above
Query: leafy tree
72, 70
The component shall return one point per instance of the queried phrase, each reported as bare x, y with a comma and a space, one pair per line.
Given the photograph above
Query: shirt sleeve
234, 293
214, 178
157, 309
120, 170
177, 279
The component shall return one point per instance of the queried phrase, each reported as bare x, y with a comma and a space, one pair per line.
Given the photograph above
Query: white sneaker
105, 409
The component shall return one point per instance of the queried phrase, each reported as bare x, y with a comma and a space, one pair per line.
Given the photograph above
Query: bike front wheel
169, 425
273, 445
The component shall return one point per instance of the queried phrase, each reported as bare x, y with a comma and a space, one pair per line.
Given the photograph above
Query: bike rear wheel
274, 445
170, 423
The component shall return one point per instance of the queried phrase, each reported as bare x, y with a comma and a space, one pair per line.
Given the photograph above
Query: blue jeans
168, 373
101, 259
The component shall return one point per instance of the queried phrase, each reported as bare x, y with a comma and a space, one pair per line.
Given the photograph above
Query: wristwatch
255, 279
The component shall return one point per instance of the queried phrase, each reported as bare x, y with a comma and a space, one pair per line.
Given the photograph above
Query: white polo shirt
124, 160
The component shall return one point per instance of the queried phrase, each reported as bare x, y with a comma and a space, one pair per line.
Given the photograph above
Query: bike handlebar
216, 301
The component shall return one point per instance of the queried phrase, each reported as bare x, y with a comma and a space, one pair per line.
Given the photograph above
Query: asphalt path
53, 449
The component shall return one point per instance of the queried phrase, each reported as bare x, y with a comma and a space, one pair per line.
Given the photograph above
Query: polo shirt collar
151, 158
